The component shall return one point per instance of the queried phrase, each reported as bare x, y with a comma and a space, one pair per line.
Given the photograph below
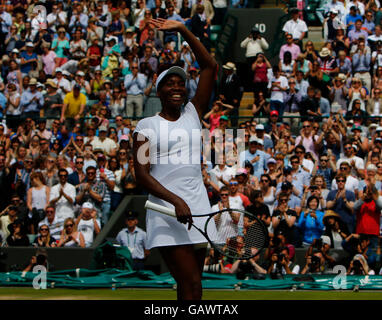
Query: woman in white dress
175, 184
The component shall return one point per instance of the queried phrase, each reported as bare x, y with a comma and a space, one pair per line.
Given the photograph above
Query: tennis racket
235, 233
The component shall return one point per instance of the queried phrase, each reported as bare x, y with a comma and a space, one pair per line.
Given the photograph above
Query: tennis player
177, 185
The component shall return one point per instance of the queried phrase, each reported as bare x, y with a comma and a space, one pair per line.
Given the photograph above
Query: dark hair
310, 199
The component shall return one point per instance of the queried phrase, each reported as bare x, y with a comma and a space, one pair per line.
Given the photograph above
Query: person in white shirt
53, 222
254, 44
63, 196
357, 164
87, 223
62, 83
352, 184
108, 146
296, 27
223, 172
278, 84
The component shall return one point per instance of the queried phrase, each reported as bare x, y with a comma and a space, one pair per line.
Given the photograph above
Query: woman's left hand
169, 25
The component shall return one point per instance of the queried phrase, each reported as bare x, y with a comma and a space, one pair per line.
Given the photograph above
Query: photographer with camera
315, 263
320, 248
39, 259
281, 264
359, 266
254, 44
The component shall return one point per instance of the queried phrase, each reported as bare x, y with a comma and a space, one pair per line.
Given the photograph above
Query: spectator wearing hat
134, 83
290, 46
107, 176
335, 5
328, 64
104, 143
88, 224
331, 24
52, 103
29, 59
342, 200
134, 238
18, 235
295, 27
74, 106
339, 92
31, 100
254, 44
335, 229
229, 89
257, 157
63, 84
260, 134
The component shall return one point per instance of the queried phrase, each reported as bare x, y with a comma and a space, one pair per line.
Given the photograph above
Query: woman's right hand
183, 212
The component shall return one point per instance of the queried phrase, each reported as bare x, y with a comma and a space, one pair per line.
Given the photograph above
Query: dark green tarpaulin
108, 278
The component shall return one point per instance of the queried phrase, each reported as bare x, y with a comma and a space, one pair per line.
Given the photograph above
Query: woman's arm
207, 63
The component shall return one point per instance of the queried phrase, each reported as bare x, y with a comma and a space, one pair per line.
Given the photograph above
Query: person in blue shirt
352, 17
257, 157
310, 222
29, 59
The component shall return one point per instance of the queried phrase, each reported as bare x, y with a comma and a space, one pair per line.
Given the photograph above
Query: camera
313, 188
280, 257
319, 244
315, 263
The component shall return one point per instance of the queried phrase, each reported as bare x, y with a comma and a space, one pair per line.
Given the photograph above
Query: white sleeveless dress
175, 163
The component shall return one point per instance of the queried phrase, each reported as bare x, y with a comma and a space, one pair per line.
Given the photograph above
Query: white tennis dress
175, 153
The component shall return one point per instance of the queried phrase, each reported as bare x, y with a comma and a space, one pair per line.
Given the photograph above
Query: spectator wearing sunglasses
352, 184
357, 164
284, 218
308, 139
44, 239
63, 195
341, 201
70, 237
326, 168
237, 200
51, 220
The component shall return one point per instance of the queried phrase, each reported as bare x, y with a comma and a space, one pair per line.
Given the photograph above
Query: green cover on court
109, 278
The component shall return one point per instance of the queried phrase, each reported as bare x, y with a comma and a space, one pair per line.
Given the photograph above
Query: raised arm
207, 63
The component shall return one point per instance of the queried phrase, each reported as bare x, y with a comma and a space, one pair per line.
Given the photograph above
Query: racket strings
236, 239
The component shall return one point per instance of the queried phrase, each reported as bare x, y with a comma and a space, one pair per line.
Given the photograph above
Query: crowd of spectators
312, 167
75, 76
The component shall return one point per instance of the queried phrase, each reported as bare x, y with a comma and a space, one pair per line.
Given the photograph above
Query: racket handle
162, 209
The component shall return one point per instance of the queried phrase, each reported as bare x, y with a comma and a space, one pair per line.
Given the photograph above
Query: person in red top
237, 199
368, 211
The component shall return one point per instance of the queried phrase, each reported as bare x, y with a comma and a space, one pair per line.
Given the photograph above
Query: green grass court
167, 294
